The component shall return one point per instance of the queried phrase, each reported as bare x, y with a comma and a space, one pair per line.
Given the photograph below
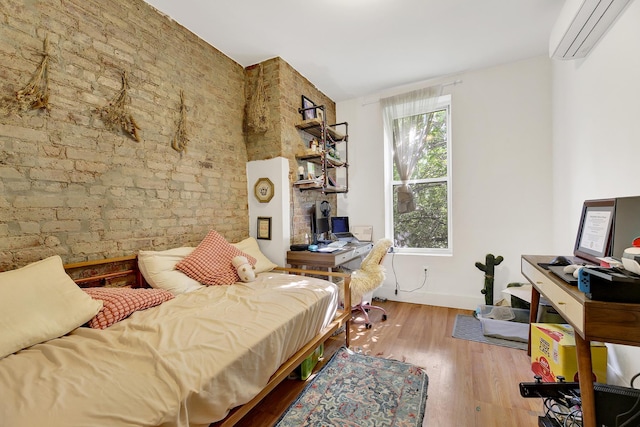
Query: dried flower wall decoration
116, 114
35, 95
180, 140
257, 111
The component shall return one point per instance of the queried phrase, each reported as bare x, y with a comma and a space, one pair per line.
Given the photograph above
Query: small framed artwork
264, 228
307, 111
263, 189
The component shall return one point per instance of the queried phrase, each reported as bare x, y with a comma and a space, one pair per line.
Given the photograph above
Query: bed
200, 358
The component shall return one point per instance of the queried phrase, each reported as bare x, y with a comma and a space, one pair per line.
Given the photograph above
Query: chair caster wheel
384, 317
367, 325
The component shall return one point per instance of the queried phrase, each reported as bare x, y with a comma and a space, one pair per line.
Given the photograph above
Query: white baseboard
426, 298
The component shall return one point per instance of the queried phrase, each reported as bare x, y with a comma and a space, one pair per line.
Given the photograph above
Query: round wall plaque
263, 190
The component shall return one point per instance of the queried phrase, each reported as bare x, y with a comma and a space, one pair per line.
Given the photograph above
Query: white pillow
159, 270
250, 246
40, 302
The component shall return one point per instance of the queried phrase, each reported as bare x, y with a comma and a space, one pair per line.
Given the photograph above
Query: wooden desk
612, 322
328, 260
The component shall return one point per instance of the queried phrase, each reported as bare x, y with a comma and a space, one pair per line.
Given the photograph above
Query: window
417, 133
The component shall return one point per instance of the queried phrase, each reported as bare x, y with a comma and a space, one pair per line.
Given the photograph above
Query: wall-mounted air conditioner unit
581, 24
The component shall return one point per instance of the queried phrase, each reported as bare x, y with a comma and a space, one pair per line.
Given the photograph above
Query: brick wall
294, 141
69, 186
284, 87
267, 145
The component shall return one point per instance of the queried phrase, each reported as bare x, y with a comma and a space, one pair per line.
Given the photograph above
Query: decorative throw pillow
210, 263
250, 246
40, 302
119, 303
159, 270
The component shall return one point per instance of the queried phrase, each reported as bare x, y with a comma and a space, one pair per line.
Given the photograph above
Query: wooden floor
470, 384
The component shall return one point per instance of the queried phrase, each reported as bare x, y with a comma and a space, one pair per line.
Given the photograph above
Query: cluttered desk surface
594, 320
330, 259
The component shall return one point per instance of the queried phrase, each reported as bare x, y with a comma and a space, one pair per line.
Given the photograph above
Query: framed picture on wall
264, 228
307, 111
263, 189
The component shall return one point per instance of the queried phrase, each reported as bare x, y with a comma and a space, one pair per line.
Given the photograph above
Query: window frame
444, 102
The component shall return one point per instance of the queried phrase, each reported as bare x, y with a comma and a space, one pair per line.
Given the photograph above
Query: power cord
393, 267
566, 411
631, 411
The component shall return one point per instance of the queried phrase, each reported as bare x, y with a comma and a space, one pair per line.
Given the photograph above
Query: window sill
421, 253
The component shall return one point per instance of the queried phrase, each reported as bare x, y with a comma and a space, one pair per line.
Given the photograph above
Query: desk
328, 260
612, 322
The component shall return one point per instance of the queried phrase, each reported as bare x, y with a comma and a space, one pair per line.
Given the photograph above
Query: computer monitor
595, 230
319, 225
339, 224
607, 228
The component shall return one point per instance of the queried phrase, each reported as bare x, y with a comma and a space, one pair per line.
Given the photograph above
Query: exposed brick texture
295, 141
70, 186
285, 86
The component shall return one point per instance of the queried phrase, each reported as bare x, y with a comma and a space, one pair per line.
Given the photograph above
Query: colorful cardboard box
553, 353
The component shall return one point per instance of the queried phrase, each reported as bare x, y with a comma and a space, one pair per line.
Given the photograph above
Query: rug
353, 389
469, 328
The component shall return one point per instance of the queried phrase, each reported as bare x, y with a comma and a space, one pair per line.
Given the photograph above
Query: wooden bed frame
123, 271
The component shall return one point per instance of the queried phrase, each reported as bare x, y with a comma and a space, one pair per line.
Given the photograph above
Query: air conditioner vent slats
580, 26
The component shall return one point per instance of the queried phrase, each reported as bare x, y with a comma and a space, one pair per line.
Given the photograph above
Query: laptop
340, 229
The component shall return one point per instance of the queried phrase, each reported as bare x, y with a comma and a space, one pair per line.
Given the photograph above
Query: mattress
186, 362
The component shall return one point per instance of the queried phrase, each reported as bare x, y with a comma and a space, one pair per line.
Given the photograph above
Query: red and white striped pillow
210, 263
119, 303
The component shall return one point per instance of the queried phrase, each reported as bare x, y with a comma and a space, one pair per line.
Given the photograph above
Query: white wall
278, 208
596, 140
502, 186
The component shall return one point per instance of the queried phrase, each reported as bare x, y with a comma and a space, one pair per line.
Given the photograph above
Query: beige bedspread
186, 362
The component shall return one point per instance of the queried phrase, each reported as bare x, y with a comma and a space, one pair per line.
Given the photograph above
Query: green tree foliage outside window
428, 225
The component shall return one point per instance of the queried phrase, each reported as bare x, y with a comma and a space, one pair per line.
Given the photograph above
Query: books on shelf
308, 183
317, 183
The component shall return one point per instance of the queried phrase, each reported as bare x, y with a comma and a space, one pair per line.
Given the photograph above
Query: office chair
368, 278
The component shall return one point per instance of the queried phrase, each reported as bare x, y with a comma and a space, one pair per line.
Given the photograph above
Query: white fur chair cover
371, 274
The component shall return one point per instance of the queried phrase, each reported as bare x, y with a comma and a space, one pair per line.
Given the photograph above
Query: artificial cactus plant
488, 267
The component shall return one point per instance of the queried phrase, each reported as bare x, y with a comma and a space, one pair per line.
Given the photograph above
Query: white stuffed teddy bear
245, 270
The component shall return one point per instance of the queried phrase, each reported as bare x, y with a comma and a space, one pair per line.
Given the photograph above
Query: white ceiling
353, 48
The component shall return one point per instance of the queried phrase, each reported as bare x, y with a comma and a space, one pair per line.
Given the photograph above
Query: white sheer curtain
404, 128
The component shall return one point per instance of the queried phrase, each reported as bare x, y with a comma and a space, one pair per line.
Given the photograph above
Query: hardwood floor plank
471, 384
